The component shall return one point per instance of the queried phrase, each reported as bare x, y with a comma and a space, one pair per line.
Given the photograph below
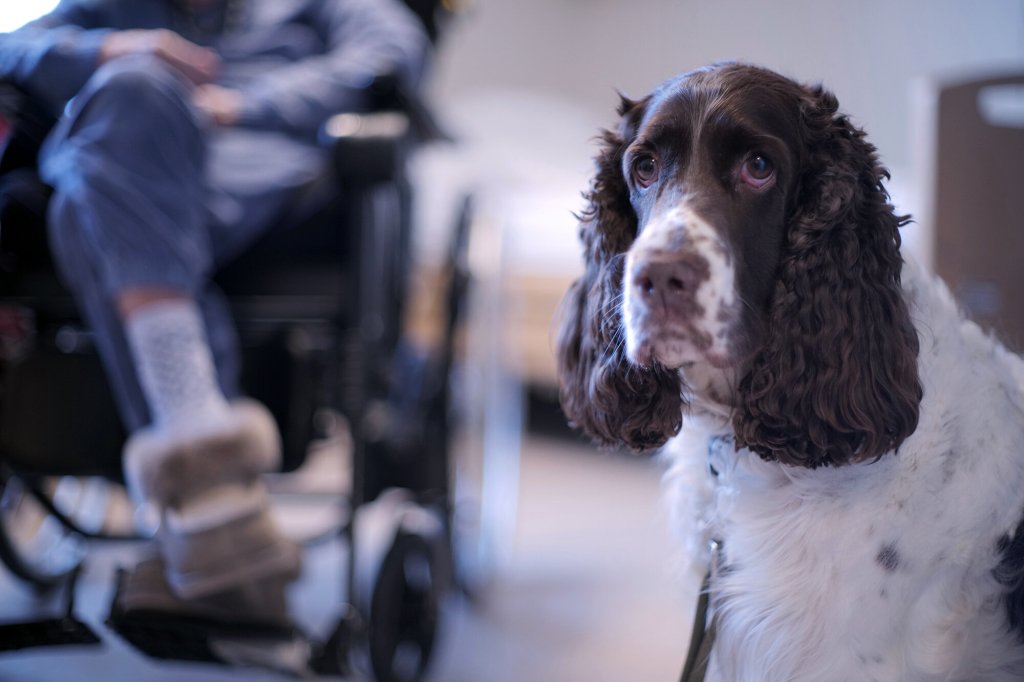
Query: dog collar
721, 449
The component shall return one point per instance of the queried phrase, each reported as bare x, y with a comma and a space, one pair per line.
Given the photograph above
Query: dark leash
702, 635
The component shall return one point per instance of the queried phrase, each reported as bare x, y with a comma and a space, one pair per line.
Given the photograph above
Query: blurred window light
15, 14
1002, 105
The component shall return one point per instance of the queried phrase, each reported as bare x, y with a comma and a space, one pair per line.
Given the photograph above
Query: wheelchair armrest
368, 148
371, 147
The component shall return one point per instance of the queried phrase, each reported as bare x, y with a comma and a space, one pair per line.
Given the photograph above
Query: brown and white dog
855, 445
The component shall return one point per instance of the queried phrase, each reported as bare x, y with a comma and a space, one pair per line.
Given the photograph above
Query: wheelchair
320, 321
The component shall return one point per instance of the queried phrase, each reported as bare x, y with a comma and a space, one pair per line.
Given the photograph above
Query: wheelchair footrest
48, 632
59, 631
196, 635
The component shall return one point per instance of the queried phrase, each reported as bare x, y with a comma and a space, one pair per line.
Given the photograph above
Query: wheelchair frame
370, 153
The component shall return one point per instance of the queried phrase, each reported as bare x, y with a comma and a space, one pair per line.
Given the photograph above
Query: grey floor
585, 592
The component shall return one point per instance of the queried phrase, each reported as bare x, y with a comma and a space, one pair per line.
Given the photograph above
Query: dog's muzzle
678, 291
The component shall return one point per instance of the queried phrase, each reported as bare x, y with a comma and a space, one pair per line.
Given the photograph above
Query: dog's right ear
612, 400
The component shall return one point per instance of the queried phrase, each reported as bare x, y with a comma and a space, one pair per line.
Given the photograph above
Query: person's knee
142, 83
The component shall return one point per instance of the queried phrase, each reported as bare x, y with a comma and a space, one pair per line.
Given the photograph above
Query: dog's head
740, 250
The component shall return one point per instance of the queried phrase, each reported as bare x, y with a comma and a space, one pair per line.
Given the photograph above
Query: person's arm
365, 38
56, 54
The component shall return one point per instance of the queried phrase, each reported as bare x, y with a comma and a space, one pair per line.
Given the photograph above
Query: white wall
867, 51
15, 14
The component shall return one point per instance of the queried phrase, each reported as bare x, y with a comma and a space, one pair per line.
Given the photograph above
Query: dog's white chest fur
875, 571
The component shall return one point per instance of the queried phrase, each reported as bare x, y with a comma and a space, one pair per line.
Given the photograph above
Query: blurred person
184, 129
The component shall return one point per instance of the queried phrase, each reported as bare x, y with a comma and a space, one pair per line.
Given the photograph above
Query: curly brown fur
612, 400
836, 379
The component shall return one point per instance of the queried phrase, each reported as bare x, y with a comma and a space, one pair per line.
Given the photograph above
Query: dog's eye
757, 171
645, 170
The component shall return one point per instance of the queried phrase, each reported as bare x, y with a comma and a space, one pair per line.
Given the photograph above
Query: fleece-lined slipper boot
216, 529
205, 555
166, 466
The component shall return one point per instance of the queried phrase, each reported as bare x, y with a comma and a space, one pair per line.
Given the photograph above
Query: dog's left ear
837, 380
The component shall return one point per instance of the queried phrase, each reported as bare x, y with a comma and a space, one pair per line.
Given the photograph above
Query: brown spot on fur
888, 557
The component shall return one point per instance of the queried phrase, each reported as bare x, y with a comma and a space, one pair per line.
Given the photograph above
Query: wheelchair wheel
34, 545
405, 608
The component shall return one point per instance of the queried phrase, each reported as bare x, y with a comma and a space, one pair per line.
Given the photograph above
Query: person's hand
221, 104
199, 64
